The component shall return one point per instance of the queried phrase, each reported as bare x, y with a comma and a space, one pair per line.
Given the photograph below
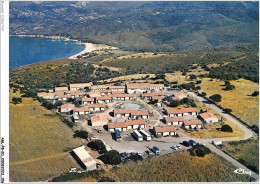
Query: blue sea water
28, 50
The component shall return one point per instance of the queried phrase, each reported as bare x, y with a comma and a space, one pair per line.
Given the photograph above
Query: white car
178, 146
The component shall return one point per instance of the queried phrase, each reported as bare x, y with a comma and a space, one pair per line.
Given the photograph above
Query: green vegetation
255, 93
216, 97
200, 151
159, 169
16, 100
112, 157
96, 174
229, 87
135, 157
185, 101
226, 128
245, 151
97, 145
227, 110
82, 134
106, 179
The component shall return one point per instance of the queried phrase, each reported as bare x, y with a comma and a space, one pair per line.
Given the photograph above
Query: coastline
89, 47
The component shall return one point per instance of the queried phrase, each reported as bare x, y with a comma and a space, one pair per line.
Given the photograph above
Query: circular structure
130, 106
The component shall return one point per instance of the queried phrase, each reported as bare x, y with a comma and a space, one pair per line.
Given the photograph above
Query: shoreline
89, 47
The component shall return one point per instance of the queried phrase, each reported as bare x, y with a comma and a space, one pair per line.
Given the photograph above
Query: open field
239, 100
178, 167
38, 141
246, 152
211, 130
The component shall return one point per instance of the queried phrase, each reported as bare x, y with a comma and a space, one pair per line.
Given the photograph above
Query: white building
86, 161
208, 117
99, 120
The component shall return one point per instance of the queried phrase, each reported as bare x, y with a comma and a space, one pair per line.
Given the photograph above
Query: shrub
198, 88
255, 93
17, 100
227, 110
192, 77
112, 157
216, 97
198, 82
229, 87
135, 157
106, 179
255, 128
174, 103
97, 145
226, 128
184, 73
203, 94
227, 83
82, 134
200, 150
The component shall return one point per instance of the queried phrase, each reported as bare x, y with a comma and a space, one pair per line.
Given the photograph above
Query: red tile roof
81, 85
97, 105
135, 122
117, 125
192, 122
98, 118
122, 95
139, 113
174, 119
206, 115
64, 106
142, 85
182, 110
61, 89
81, 109
116, 87
103, 98
158, 97
118, 92
106, 91
164, 129
122, 111
88, 99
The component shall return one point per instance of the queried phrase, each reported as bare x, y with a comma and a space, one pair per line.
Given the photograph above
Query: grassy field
179, 167
212, 129
246, 152
239, 100
38, 140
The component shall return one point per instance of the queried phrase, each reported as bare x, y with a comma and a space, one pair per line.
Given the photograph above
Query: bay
29, 50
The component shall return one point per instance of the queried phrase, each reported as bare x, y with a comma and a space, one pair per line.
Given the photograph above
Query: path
38, 159
247, 133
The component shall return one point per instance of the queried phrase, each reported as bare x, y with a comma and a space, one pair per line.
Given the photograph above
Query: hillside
139, 26
39, 142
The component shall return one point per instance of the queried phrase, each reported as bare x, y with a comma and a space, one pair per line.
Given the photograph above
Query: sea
28, 50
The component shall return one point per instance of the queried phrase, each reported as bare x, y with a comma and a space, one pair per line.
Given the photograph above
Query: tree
82, 134
226, 128
198, 88
227, 110
200, 150
112, 157
192, 76
255, 93
216, 97
230, 87
184, 73
174, 103
98, 145
203, 94
227, 83
135, 157
17, 100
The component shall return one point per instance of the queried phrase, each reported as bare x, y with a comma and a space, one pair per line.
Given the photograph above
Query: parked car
138, 153
192, 142
123, 155
174, 148
179, 146
186, 143
156, 150
148, 152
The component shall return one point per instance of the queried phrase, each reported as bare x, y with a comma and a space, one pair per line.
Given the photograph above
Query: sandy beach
89, 47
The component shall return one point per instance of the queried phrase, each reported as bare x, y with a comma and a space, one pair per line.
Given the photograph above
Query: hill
140, 26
